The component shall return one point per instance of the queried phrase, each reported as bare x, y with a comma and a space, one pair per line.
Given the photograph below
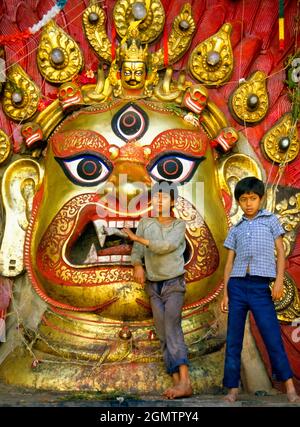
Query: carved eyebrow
188, 141
78, 141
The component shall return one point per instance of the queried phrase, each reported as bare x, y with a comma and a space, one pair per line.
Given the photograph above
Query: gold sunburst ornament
59, 57
21, 94
211, 62
249, 103
94, 20
280, 143
150, 13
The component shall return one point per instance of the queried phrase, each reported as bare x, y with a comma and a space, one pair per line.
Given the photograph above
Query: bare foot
176, 381
231, 396
180, 390
293, 397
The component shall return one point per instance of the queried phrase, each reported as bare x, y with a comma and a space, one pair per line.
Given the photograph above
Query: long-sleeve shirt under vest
164, 255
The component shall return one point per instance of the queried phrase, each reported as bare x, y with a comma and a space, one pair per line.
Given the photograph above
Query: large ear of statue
20, 182
230, 171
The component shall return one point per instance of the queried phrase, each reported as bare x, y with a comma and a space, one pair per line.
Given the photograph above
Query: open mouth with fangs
102, 242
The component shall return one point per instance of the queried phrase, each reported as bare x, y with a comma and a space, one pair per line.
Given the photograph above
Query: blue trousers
252, 293
166, 298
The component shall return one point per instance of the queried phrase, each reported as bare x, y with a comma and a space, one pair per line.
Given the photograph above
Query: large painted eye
130, 122
86, 170
174, 167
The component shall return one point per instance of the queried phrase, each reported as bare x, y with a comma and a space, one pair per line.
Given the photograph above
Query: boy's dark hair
250, 184
168, 187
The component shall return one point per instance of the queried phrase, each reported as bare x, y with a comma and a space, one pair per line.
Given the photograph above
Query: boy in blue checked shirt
249, 268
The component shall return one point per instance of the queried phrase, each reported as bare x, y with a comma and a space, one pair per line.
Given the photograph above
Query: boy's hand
224, 304
139, 274
129, 233
277, 290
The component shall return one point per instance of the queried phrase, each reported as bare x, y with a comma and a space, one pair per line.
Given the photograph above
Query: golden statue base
131, 378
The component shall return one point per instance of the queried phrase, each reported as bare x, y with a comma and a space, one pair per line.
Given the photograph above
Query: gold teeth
211, 62
21, 95
59, 57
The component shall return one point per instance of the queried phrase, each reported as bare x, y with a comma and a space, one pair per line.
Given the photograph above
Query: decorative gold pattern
249, 102
183, 140
59, 57
150, 27
288, 307
133, 52
21, 94
167, 90
179, 39
20, 181
289, 212
230, 171
213, 120
4, 146
110, 340
211, 62
2, 73
270, 143
49, 118
205, 257
94, 27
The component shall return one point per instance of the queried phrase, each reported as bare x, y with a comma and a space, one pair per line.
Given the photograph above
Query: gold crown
131, 51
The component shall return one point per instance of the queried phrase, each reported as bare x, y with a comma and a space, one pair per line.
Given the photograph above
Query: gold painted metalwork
150, 27
289, 211
288, 307
5, 147
68, 336
255, 89
2, 69
20, 182
94, 27
231, 170
211, 62
179, 39
167, 90
69, 59
49, 118
213, 120
284, 128
19, 84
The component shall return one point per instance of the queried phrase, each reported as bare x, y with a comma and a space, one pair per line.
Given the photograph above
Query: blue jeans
252, 293
166, 298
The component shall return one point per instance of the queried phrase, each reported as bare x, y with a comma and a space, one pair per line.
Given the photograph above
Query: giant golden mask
139, 142
88, 322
